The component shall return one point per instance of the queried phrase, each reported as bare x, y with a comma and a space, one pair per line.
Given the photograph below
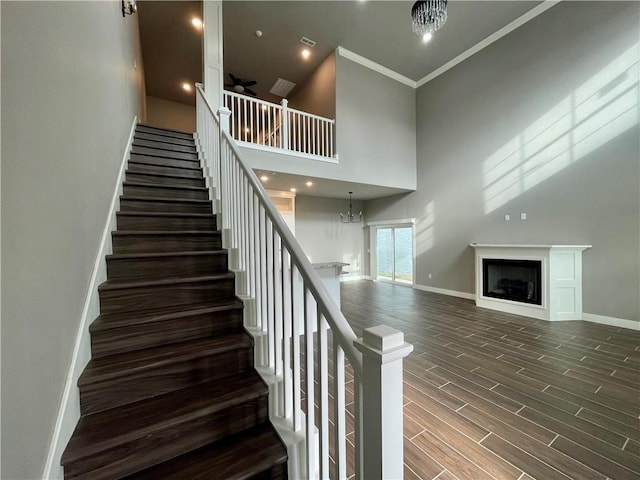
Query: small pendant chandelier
428, 16
350, 217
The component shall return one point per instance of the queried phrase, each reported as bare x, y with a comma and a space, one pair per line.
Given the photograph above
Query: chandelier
350, 217
428, 16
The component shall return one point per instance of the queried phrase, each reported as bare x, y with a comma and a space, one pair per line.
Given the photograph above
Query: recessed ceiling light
309, 183
306, 53
246, 130
196, 22
264, 107
187, 87
264, 178
293, 190
426, 37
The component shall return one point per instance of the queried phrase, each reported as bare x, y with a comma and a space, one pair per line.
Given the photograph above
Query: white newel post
213, 79
382, 446
284, 139
225, 118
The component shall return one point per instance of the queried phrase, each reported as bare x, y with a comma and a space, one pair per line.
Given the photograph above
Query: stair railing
261, 124
319, 374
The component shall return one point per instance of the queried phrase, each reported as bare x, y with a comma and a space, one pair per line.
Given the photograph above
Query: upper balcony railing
259, 124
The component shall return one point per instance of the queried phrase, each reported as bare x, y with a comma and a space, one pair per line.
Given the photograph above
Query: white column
213, 74
382, 449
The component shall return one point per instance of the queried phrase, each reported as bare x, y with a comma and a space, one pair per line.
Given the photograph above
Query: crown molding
376, 67
518, 22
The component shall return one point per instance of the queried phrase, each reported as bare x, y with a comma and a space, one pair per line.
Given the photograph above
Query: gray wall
544, 121
375, 127
375, 132
172, 115
318, 94
69, 96
324, 239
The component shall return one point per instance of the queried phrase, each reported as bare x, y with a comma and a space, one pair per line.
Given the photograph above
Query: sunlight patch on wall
425, 229
592, 115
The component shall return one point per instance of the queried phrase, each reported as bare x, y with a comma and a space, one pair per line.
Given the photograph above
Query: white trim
286, 151
444, 291
614, 322
388, 223
353, 278
376, 67
69, 410
518, 22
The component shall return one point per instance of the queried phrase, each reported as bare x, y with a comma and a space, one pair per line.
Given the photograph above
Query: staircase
170, 391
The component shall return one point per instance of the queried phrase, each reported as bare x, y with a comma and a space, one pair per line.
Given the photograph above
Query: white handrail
290, 313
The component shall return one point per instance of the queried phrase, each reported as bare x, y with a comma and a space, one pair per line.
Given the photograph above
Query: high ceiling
377, 30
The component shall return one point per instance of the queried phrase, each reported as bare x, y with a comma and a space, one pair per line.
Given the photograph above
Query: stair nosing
164, 356
126, 233
157, 185
144, 125
110, 285
109, 321
186, 253
161, 154
167, 166
164, 214
165, 175
164, 199
257, 388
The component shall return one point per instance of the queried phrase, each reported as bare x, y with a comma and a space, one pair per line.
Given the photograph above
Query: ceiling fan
241, 87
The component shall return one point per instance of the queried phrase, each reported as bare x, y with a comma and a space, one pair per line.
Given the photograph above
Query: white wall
545, 122
172, 115
69, 95
324, 239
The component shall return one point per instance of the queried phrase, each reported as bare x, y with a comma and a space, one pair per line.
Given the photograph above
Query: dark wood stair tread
183, 201
157, 185
111, 428
167, 176
132, 162
106, 368
240, 456
111, 321
164, 255
126, 284
166, 214
164, 131
152, 233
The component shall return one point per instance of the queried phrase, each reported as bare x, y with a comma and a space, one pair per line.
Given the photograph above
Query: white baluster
297, 304
339, 407
284, 136
323, 401
309, 321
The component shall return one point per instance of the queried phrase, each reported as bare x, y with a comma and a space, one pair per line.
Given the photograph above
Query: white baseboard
353, 278
587, 317
613, 321
444, 291
69, 410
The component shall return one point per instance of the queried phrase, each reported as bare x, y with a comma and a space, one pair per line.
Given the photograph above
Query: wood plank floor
498, 396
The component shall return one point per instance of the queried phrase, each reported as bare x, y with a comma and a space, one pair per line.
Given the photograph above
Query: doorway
393, 253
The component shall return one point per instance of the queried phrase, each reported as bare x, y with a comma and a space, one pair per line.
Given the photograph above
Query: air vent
282, 87
308, 42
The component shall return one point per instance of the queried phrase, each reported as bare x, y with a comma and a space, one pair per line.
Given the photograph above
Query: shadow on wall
595, 113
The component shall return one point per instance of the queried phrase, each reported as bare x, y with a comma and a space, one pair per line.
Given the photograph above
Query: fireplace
539, 281
515, 280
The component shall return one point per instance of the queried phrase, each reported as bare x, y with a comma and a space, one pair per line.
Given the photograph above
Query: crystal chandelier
428, 16
349, 217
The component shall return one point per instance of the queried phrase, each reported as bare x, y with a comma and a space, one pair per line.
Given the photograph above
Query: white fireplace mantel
561, 278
